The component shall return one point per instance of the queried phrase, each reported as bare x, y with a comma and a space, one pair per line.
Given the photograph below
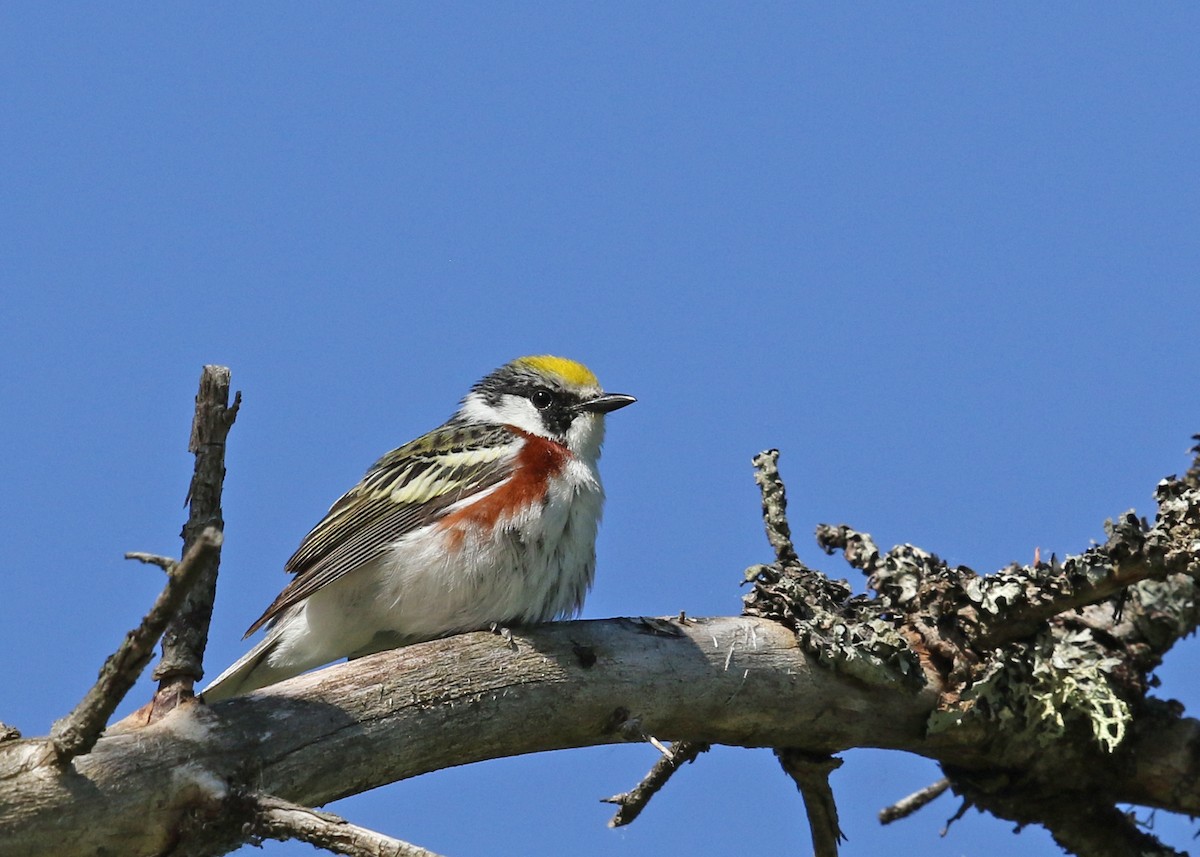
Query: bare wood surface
355, 726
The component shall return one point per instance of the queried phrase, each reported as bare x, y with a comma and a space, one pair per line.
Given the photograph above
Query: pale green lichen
1038, 690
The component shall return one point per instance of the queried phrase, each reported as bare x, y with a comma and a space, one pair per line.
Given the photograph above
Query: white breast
536, 566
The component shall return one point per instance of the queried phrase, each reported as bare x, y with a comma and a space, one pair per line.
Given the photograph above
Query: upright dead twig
774, 505
809, 772
187, 636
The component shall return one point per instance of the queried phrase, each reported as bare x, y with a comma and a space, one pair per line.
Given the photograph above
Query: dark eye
541, 400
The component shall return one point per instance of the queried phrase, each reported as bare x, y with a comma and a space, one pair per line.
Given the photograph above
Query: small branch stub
632, 802
280, 820
905, 807
164, 562
811, 775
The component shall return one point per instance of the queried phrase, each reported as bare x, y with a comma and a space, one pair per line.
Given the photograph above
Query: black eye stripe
542, 399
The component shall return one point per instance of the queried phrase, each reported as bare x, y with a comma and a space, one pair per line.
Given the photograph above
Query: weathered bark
742, 681
187, 636
356, 726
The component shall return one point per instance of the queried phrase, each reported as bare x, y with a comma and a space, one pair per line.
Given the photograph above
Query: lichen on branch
1046, 665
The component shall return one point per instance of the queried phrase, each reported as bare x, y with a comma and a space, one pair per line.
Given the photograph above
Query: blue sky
945, 257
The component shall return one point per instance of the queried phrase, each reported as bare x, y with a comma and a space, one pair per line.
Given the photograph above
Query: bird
488, 521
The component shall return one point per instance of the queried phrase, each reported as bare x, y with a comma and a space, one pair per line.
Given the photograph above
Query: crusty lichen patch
1035, 691
1015, 648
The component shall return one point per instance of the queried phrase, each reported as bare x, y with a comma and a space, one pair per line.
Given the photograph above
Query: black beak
606, 403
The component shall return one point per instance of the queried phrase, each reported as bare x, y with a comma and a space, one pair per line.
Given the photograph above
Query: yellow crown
575, 374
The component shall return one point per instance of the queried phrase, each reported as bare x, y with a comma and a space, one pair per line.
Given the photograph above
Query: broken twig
78, 731
187, 636
280, 820
632, 802
811, 775
906, 806
774, 503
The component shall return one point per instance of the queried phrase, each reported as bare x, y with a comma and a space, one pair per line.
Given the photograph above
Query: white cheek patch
510, 410
583, 438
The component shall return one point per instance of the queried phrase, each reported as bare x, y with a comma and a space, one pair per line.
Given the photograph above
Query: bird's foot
505, 633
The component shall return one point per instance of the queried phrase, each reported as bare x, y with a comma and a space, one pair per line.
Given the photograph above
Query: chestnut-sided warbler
487, 521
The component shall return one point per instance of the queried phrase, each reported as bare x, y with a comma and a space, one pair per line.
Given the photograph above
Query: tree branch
280, 820
163, 562
774, 506
1104, 831
632, 802
78, 731
906, 806
393, 715
922, 666
187, 636
1132, 554
397, 714
810, 772
1082, 827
